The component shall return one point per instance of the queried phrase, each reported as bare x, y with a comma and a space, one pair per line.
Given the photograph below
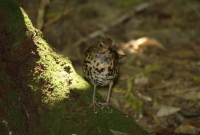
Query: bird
100, 66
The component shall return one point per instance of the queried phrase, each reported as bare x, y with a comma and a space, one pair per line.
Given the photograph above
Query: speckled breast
100, 70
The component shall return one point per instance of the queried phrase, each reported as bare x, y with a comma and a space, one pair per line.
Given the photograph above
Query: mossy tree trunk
40, 93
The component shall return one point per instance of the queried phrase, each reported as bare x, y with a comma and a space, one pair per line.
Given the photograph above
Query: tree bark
40, 92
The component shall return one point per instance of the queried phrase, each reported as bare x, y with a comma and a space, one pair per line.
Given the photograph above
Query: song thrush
101, 66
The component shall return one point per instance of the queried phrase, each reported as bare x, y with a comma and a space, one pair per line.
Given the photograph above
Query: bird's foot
104, 104
94, 102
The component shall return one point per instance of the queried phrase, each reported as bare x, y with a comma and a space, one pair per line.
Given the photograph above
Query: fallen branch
122, 19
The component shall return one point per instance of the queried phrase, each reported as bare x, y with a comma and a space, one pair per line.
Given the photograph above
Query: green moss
16, 119
11, 115
14, 21
4, 79
57, 74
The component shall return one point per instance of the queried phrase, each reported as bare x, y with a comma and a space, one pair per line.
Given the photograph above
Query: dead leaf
118, 132
188, 129
166, 110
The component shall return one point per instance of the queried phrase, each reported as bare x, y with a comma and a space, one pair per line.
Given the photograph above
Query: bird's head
104, 43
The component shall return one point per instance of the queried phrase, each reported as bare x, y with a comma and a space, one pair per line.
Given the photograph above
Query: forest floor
159, 81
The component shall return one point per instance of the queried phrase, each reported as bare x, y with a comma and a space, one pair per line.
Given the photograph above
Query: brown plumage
101, 66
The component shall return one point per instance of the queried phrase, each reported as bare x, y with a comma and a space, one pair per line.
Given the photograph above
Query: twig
196, 11
41, 12
66, 11
143, 7
122, 19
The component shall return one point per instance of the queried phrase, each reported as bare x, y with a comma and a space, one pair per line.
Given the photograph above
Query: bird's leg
94, 102
108, 96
